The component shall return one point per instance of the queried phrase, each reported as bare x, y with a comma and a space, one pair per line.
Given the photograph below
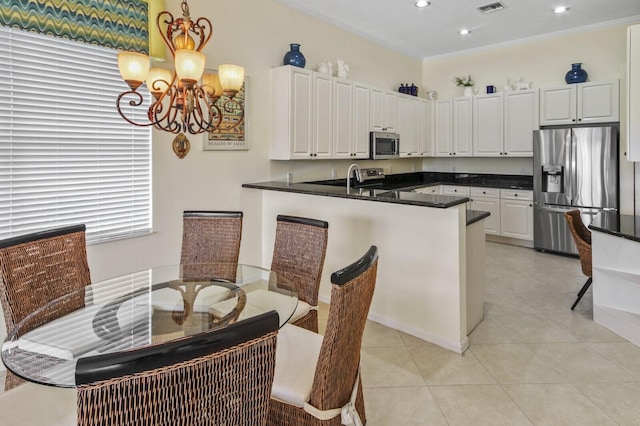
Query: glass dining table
161, 306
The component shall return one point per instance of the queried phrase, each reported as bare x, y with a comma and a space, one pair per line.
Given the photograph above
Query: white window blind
66, 155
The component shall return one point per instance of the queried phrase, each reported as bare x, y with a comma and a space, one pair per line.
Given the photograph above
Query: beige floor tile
624, 354
578, 363
410, 340
535, 328
491, 331
389, 367
556, 404
582, 327
618, 400
410, 406
478, 405
442, 367
515, 363
378, 335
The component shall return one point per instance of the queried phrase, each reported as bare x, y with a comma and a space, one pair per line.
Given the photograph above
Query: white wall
544, 62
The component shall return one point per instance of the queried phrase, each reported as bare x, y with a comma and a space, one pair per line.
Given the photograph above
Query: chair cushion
296, 359
168, 299
34, 405
268, 300
79, 336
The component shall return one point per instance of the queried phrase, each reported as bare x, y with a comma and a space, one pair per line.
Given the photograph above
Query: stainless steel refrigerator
573, 168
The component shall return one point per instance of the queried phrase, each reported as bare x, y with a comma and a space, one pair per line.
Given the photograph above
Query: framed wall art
232, 132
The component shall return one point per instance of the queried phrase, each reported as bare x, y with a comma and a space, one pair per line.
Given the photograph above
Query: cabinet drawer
485, 192
462, 191
516, 194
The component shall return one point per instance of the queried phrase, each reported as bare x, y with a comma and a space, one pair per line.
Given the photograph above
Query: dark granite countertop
475, 215
420, 179
365, 193
619, 225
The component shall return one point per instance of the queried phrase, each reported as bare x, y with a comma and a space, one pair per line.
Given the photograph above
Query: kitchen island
615, 245
431, 273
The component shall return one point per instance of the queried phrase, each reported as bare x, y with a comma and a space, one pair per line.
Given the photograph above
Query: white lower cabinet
516, 214
488, 200
435, 189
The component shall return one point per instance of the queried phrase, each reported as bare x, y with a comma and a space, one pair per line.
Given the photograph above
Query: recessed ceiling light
465, 31
422, 3
560, 9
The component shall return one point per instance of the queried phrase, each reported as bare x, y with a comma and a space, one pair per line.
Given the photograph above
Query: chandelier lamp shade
186, 99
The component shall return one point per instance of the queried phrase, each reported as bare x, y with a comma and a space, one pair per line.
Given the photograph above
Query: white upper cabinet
322, 118
443, 128
521, 118
383, 110
633, 93
488, 125
426, 144
351, 119
292, 114
408, 122
581, 103
361, 114
462, 126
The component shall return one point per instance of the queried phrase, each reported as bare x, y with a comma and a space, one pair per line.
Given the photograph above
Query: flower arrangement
463, 81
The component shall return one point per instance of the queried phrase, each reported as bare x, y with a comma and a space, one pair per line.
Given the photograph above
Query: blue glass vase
576, 74
294, 57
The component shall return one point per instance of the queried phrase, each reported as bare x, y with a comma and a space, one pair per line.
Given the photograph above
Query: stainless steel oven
384, 145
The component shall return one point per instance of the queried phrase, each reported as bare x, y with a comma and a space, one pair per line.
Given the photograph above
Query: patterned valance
120, 24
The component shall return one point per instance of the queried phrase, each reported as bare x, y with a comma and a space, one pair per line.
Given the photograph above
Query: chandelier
186, 99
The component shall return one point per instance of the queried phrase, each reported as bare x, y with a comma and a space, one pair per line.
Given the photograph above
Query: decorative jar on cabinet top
294, 56
576, 74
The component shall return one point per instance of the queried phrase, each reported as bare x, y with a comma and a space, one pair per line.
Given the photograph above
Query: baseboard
510, 241
624, 324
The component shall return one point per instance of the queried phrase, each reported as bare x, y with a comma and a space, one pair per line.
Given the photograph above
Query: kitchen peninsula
431, 275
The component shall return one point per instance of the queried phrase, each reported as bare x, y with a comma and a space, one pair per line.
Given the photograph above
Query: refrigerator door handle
555, 209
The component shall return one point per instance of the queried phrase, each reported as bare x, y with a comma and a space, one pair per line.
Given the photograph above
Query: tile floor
531, 360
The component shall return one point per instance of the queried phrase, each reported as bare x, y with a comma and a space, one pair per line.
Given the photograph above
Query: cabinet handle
573, 119
579, 119
530, 205
484, 192
515, 195
454, 153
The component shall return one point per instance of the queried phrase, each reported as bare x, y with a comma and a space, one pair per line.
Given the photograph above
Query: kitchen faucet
356, 168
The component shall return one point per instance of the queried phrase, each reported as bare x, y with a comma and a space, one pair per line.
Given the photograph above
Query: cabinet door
377, 109
462, 126
516, 219
598, 102
403, 127
342, 118
488, 125
321, 144
633, 93
443, 128
360, 148
301, 114
491, 205
426, 148
558, 105
435, 189
520, 120
390, 110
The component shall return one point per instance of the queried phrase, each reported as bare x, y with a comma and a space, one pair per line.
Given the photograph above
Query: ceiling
434, 30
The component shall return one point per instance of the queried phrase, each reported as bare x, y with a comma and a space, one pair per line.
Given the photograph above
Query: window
66, 155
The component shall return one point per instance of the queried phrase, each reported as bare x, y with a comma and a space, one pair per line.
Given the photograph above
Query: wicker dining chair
211, 238
582, 237
298, 258
222, 378
36, 269
317, 377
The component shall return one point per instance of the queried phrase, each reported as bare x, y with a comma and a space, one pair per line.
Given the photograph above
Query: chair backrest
38, 268
339, 358
211, 237
582, 237
298, 255
220, 377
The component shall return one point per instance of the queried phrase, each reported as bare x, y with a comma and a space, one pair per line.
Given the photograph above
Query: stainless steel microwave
384, 145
